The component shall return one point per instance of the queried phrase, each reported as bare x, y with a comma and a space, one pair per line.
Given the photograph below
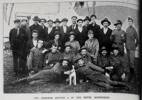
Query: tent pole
10, 13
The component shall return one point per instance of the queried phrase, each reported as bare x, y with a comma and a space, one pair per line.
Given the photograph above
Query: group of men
97, 53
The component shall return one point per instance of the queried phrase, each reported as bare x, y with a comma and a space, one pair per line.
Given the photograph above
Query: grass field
49, 87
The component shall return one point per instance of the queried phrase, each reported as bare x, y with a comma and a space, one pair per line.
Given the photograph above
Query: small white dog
72, 76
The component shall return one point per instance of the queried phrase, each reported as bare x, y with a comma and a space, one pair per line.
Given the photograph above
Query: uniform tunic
119, 37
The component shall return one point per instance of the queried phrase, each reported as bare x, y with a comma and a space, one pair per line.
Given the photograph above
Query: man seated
95, 75
120, 65
53, 57
36, 58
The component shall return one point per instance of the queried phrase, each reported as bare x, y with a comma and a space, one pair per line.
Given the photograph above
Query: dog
72, 76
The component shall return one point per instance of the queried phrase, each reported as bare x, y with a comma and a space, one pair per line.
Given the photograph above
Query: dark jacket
81, 36
64, 35
18, 42
41, 33
105, 38
50, 36
96, 30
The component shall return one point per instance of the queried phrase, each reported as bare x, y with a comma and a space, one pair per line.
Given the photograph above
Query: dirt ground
50, 87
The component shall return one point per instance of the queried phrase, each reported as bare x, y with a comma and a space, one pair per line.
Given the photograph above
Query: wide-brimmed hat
103, 48
93, 16
43, 19
36, 18
57, 21
83, 48
80, 20
64, 20
118, 22
16, 20
105, 20
130, 18
50, 20
87, 18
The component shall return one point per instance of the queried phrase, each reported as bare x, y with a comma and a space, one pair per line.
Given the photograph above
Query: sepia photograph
71, 46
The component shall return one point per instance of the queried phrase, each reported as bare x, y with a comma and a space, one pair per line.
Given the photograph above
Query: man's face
57, 37
17, 24
74, 20
84, 52
118, 26
54, 49
104, 52
36, 22
40, 44
130, 22
80, 23
50, 23
91, 35
67, 49
42, 22
72, 37
115, 52
64, 63
57, 24
24, 23
64, 23
80, 62
93, 20
35, 35
105, 24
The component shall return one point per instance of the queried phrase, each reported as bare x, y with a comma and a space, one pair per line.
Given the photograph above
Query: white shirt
105, 30
49, 29
64, 29
35, 43
80, 29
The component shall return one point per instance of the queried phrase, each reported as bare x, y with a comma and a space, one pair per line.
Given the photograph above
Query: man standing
64, 30
18, 41
49, 35
131, 44
37, 27
74, 23
44, 28
95, 27
119, 37
105, 34
81, 32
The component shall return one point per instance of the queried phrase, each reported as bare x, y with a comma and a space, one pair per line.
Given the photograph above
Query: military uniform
119, 37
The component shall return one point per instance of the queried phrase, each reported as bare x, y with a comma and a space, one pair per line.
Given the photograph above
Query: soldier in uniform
131, 44
95, 74
120, 65
119, 36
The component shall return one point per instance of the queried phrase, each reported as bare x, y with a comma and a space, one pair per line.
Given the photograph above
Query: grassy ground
49, 87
